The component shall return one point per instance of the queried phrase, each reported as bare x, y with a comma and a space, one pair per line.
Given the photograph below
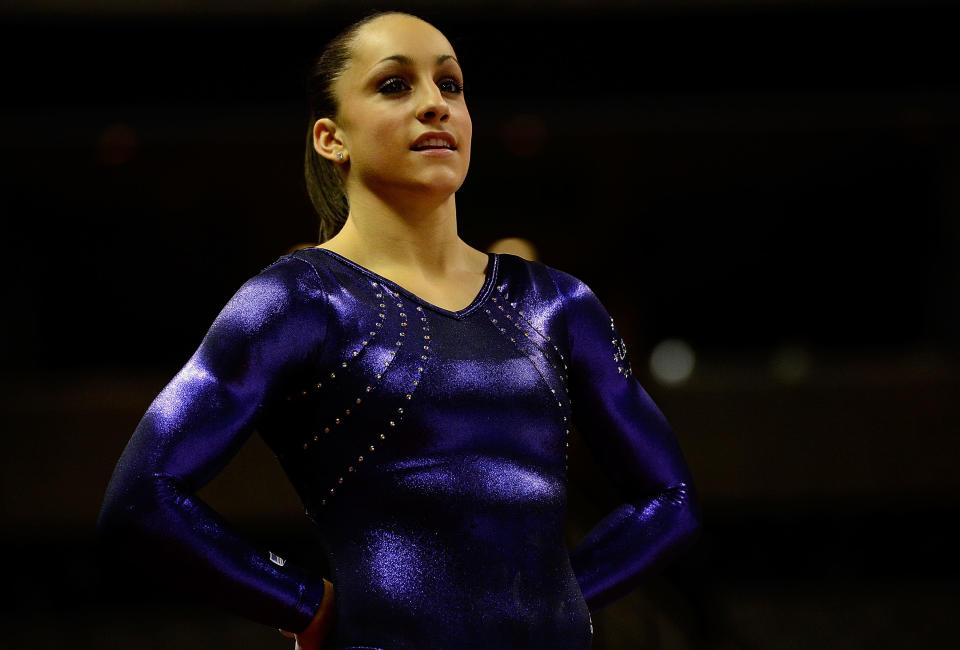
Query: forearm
634, 541
153, 523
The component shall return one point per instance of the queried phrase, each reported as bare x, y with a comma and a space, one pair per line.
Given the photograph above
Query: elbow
120, 517
137, 530
129, 532
132, 513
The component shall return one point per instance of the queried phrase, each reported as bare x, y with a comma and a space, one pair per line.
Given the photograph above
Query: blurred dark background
766, 196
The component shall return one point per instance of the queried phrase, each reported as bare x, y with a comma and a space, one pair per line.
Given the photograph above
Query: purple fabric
428, 446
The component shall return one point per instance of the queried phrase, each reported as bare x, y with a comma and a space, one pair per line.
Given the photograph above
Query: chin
440, 185
437, 184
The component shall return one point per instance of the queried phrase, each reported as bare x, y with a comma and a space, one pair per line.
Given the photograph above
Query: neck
397, 235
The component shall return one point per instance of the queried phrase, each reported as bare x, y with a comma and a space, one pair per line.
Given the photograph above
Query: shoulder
291, 274
543, 279
288, 288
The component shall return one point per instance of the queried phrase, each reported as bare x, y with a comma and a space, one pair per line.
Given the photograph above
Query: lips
434, 140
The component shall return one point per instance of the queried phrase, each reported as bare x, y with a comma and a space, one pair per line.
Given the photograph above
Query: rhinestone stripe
518, 316
351, 408
492, 316
343, 364
399, 411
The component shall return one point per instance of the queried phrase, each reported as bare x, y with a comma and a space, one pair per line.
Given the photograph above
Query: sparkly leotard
428, 446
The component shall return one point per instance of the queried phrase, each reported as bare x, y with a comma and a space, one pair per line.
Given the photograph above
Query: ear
328, 141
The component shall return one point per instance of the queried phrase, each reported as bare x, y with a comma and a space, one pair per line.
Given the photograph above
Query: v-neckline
493, 262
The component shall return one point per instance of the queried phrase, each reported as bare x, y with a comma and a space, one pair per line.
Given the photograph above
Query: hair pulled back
324, 182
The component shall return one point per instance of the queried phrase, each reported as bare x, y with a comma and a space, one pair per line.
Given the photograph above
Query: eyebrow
406, 60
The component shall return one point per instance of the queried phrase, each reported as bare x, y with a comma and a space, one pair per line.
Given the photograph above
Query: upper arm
618, 419
273, 323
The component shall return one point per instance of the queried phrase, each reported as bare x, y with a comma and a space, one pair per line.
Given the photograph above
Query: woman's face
402, 83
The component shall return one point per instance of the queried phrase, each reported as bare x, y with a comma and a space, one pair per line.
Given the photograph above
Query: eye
392, 86
451, 85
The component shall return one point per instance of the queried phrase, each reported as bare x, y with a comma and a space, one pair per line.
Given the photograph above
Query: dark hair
324, 182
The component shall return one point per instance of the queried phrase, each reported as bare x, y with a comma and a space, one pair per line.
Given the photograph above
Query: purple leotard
428, 446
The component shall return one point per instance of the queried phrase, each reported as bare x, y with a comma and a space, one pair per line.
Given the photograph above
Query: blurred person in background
418, 393
515, 246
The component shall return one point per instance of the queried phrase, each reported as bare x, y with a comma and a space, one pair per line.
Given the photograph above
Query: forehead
395, 34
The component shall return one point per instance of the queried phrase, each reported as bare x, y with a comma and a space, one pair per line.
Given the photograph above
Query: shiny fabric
428, 446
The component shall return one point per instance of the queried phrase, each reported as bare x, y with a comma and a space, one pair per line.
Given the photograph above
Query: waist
459, 547
396, 591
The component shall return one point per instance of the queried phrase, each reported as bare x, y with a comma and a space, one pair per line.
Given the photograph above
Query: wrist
323, 617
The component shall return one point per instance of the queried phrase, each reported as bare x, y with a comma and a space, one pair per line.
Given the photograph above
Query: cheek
384, 139
467, 123
467, 132
381, 131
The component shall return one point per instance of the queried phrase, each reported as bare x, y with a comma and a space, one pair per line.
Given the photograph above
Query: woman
418, 393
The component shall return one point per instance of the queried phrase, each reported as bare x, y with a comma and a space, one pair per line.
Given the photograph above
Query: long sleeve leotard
429, 448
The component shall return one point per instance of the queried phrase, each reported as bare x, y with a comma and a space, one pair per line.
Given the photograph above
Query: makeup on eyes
389, 85
404, 64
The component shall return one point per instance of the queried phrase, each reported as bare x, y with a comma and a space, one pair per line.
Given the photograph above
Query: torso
449, 532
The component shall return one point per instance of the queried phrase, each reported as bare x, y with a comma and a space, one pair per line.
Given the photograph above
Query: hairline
351, 38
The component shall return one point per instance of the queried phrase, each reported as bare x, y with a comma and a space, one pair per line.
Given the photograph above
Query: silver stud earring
340, 156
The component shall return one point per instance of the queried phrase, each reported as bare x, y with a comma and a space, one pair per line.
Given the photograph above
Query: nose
434, 106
